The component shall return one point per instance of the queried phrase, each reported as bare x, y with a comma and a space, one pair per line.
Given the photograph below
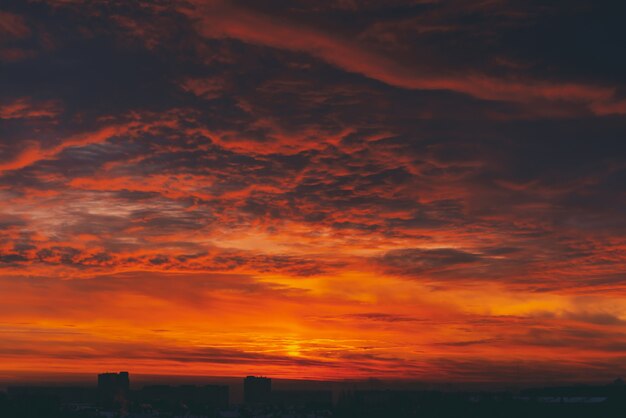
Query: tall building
113, 388
257, 389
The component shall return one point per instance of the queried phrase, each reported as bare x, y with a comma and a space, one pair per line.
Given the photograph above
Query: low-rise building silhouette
314, 399
257, 390
207, 396
113, 388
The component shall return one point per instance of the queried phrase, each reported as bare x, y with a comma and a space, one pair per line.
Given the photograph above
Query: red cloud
219, 19
12, 26
26, 108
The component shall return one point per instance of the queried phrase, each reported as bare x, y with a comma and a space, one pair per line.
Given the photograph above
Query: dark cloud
413, 261
467, 343
380, 317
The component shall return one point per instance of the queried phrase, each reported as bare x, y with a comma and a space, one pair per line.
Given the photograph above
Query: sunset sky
409, 189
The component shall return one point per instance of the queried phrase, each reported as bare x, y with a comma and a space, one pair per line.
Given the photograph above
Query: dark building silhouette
60, 393
211, 401
313, 399
257, 389
113, 388
197, 397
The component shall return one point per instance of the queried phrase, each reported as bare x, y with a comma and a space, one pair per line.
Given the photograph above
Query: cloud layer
330, 190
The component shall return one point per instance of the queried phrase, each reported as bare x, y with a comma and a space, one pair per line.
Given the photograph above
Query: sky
428, 190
